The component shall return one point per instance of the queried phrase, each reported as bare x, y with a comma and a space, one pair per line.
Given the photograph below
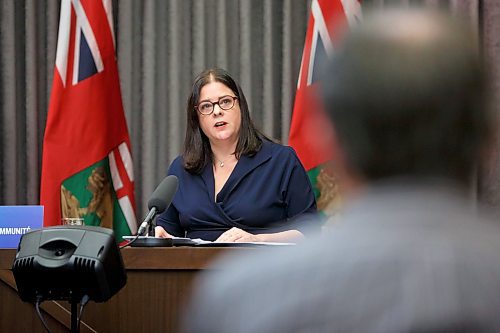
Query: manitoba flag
87, 166
310, 133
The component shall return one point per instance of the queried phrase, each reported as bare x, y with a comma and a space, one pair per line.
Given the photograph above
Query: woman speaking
235, 185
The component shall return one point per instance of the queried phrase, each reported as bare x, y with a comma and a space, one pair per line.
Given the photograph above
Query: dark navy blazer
262, 195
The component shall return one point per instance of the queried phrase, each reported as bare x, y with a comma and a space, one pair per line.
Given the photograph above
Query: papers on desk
181, 241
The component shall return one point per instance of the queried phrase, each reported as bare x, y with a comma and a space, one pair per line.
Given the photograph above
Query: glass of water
72, 221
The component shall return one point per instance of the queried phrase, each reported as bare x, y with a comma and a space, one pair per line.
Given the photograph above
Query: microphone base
144, 241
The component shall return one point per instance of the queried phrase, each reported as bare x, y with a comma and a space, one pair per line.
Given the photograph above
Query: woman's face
220, 125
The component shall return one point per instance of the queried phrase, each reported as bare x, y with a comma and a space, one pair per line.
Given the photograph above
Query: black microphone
159, 200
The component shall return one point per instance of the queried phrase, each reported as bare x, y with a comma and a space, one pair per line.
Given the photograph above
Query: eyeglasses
224, 102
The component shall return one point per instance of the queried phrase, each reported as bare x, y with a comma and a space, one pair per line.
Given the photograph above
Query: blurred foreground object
411, 253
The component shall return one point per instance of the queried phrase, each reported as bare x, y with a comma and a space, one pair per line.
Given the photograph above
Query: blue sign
15, 221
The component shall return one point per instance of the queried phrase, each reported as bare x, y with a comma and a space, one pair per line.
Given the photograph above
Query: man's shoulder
276, 262
353, 270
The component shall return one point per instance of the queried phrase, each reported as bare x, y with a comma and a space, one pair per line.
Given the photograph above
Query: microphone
159, 201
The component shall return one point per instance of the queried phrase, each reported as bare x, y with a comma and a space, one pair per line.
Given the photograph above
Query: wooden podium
159, 281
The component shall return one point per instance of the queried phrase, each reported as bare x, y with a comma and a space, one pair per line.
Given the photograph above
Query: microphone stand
151, 229
159, 201
149, 240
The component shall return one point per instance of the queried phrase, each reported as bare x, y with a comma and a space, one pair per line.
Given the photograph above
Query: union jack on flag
87, 168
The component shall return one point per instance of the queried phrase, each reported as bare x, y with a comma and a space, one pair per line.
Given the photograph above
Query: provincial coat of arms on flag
87, 168
310, 132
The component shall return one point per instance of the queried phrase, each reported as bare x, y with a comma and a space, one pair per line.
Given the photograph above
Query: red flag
310, 132
87, 166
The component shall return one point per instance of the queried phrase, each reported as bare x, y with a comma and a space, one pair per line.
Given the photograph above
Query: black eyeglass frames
224, 102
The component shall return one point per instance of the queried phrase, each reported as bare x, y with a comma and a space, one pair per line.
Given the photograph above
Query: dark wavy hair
197, 152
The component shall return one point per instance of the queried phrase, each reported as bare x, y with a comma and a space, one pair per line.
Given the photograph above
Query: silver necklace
221, 163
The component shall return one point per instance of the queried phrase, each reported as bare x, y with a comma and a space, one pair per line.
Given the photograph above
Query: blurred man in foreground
405, 94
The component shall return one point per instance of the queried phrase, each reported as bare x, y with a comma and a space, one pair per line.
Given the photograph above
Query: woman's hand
161, 233
235, 235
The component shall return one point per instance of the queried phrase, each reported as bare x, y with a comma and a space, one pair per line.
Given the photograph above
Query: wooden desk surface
155, 257
135, 258
7, 258
177, 258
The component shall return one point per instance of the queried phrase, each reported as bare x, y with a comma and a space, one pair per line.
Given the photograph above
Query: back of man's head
405, 93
